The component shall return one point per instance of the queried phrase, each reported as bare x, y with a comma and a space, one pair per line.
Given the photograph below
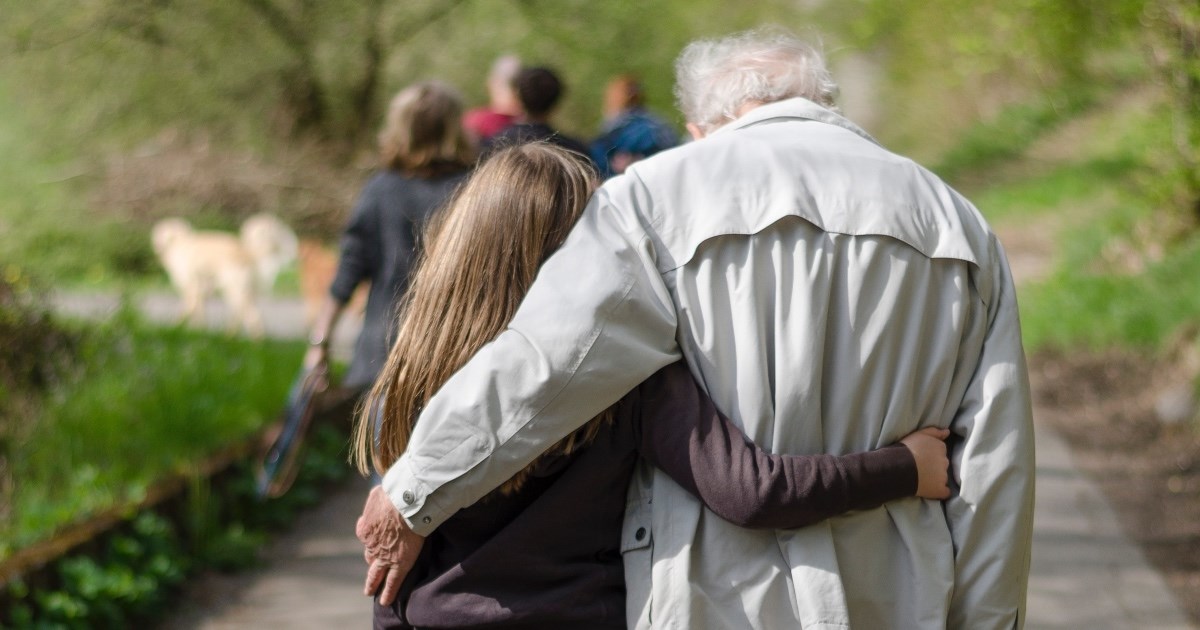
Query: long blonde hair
481, 254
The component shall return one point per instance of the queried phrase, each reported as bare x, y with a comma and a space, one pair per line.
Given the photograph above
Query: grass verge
1096, 200
147, 402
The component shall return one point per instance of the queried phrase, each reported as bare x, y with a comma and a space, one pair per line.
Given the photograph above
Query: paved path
312, 578
1086, 574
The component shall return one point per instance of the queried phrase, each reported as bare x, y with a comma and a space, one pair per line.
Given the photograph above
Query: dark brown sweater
548, 556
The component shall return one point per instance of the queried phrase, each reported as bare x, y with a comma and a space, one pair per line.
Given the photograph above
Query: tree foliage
948, 64
303, 66
324, 68
263, 73
1174, 45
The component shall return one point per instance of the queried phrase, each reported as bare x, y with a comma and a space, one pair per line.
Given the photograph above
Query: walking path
1085, 573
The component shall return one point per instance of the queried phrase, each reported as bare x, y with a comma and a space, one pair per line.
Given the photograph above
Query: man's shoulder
741, 181
387, 182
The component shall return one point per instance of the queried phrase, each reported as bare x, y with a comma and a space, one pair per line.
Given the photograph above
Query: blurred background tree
1174, 50
221, 109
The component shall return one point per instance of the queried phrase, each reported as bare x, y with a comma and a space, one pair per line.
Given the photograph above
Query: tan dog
239, 267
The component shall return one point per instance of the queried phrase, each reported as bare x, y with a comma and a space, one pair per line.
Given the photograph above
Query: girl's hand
928, 447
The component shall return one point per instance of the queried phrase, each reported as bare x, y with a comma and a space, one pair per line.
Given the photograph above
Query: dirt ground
1103, 407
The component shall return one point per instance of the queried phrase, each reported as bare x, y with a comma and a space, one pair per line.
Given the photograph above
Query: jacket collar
792, 109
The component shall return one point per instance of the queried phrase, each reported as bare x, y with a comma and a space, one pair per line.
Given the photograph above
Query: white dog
238, 266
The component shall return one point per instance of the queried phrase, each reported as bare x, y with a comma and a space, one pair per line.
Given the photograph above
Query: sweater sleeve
359, 251
685, 435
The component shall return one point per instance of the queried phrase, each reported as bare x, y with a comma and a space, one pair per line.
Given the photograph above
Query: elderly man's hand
391, 547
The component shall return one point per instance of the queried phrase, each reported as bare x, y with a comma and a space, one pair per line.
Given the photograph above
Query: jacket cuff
412, 498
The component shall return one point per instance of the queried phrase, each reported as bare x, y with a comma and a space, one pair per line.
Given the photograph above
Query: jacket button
639, 534
427, 520
408, 497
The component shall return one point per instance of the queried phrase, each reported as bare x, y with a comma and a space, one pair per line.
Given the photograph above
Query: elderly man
804, 272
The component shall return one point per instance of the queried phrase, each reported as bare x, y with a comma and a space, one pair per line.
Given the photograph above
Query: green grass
1085, 182
1098, 197
1087, 303
1093, 310
1009, 133
148, 402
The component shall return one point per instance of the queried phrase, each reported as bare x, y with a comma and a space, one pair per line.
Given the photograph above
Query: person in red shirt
503, 107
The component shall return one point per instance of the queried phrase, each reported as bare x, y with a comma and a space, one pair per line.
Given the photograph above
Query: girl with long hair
544, 550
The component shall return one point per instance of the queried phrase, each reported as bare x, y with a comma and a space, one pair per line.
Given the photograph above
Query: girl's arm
684, 435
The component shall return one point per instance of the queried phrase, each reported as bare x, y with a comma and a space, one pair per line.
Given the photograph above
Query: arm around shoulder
597, 321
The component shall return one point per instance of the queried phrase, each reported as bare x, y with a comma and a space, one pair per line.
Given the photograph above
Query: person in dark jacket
539, 90
424, 154
544, 550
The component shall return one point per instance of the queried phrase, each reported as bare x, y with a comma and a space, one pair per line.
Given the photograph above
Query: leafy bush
127, 582
36, 356
134, 573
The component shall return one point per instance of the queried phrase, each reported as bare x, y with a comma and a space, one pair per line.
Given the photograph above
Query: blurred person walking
539, 90
630, 132
424, 155
503, 105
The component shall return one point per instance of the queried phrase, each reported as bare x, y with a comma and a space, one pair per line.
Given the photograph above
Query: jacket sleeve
359, 250
685, 435
597, 321
990, 513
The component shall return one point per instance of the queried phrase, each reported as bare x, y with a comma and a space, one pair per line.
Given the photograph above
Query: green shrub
137, 569
128, 581
36, 355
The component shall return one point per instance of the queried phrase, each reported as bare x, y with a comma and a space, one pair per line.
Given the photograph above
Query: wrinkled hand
391, 548
928, 447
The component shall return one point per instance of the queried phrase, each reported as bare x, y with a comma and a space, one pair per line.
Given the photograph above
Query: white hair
715, 78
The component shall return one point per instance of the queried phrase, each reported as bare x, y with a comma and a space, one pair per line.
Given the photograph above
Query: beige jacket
805, 273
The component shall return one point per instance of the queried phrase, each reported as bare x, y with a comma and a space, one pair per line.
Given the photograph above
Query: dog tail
272, 245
